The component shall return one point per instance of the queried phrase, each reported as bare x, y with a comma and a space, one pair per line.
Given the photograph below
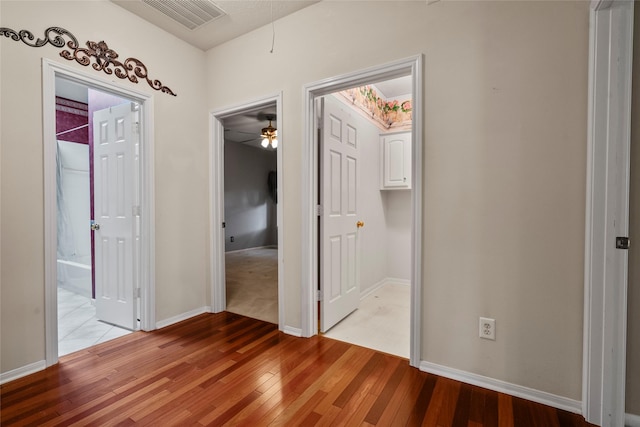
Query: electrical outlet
232, 239
488, 328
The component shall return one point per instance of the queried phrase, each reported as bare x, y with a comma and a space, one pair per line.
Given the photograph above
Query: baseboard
396, 281
29, 369
631, 420
296, 332
250, 249
184, 316
381, 283
538, 396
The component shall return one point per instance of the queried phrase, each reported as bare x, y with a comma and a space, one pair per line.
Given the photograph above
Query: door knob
360, 224
95, 226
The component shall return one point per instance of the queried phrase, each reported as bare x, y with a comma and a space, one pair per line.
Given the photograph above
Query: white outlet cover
487, 328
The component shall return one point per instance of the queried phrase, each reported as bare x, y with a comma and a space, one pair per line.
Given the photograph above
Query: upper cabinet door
396, 161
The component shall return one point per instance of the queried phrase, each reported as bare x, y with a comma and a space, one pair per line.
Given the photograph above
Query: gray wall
633, 318
249, 211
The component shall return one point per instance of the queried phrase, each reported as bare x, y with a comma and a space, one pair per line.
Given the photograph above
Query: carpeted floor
252, 283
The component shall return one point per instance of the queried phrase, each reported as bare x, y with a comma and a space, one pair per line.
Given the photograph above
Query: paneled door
115, 152
340, 225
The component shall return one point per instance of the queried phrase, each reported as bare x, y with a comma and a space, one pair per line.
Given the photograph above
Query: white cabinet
395, 156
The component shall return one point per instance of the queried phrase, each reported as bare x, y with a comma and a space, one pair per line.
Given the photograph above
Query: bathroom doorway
98, 210
83, 319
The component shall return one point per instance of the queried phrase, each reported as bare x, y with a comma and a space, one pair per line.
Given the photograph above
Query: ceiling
215, 22
246, 127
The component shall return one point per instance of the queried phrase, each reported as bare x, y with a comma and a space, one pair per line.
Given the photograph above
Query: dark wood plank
226, 369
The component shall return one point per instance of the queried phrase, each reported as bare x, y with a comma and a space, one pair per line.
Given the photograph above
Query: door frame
216, 205
310, 181
145, 264
607, 211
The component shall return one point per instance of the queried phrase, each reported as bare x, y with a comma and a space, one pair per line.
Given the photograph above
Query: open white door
339, 244
114, 157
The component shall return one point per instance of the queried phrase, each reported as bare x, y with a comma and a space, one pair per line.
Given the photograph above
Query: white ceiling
394, 88
241, 17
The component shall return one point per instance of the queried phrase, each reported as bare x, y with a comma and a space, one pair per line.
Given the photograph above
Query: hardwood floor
226, 369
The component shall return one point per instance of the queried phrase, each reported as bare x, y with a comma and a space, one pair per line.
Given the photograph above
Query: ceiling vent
190, 13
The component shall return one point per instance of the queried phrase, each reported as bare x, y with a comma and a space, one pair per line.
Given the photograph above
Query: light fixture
269, 135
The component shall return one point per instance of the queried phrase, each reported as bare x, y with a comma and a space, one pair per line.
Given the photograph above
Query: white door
339, 244
115, 149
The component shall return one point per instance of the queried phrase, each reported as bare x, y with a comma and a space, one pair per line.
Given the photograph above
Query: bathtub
75, 277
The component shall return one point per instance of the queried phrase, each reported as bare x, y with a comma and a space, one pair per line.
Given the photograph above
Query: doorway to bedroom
250, 212
246, 210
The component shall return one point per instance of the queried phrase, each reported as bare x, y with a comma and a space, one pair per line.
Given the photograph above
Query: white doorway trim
310, 181
216, 205
146, 263
607, 212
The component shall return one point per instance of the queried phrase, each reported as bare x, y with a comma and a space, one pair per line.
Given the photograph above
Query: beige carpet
252, 283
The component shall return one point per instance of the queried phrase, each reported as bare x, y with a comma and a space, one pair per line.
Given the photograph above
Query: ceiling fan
269, 135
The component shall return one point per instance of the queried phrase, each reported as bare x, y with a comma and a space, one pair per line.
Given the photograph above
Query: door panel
115, 142
339, 260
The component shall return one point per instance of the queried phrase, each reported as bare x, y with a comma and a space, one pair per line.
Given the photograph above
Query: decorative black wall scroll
103, 57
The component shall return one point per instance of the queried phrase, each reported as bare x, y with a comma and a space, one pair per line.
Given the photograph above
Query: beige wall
505, 89
633, 322
181, 167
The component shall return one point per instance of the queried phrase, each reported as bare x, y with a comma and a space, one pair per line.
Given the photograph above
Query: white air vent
190, 13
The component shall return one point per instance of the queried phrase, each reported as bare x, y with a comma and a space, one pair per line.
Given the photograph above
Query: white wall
74, 197
505, 108
249, 212
397, 214
181, 165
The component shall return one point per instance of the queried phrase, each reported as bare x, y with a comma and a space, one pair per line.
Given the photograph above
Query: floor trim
251, 249
23, 371
631, 420
384, 282
538, 396
184, 316
296, 332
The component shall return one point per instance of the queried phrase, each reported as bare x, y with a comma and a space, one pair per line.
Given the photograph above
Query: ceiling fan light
265, 142
274, 143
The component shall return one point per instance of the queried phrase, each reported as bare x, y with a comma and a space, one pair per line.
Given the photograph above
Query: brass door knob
359, 224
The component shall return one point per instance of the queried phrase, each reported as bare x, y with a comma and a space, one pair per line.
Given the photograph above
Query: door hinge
224, 225
622, 242
135, 210
318, 210
319, 295
136, 292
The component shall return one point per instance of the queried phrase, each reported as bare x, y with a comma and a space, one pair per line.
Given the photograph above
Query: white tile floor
78, 326
381, 322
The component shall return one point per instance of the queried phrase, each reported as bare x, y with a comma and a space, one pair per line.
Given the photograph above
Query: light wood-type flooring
226, 369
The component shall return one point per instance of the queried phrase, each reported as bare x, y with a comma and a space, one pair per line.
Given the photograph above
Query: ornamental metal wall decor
104, 58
